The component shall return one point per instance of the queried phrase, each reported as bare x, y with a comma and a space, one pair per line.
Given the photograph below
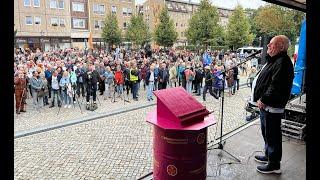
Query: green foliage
238, 30
196, 48
274, 20
111, 32
203, 26
165, 33
138, 31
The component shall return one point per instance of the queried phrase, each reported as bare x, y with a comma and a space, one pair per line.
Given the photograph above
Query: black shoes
51, 106
261, 159
269, 168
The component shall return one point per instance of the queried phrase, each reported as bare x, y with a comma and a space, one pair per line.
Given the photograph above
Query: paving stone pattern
115, 147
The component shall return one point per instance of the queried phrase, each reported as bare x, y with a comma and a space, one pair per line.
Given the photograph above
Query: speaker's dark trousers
272, 136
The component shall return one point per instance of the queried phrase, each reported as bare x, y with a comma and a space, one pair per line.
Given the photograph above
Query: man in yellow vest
134, 77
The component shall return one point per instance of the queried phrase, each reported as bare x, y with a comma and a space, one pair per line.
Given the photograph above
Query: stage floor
243, 145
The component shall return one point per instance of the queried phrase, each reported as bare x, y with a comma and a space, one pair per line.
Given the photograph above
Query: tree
274, 20
111, 32
138, 31
203, 26
238, 30
165, 33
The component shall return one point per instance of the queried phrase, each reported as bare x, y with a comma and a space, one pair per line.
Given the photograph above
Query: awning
293, 4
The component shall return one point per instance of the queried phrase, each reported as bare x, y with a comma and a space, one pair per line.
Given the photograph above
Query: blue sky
254, 4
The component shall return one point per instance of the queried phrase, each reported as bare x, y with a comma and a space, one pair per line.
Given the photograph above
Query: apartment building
99, 9
42, 24
180, 12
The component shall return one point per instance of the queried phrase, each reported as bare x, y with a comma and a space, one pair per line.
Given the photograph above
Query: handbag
40, 93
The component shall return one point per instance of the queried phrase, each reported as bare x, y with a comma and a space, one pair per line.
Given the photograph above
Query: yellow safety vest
133, 77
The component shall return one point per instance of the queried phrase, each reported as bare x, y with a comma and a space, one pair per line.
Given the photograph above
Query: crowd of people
58, 77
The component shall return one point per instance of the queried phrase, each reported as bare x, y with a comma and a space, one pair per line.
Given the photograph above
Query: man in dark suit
163, 76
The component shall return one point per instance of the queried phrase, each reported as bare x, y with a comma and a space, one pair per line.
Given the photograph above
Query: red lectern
180, 136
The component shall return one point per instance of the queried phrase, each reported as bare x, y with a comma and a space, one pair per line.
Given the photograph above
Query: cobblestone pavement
114, 147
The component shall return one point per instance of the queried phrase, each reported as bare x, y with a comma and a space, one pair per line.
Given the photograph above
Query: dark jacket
198, 77
274, 83
148, 77
91, 77
208, 78
235, 72
164, 75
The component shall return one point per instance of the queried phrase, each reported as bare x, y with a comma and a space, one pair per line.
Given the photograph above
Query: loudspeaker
265, 41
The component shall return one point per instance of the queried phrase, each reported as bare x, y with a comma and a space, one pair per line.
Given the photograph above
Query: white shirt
268, 108
151, 76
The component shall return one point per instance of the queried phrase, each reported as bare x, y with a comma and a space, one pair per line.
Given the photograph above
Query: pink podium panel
180, 136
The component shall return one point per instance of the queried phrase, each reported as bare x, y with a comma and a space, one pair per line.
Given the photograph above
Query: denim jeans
120, 89
135, 90
56, 94
108, 90
66, 97
189, 86
149, 90
272, 136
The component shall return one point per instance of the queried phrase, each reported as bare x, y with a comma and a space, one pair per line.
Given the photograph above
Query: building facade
99, 9
180, 12
42, 24
54, 24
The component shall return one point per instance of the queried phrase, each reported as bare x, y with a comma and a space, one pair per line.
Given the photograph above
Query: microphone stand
221, 144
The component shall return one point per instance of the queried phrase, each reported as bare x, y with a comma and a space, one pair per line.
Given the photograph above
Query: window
129, 11
125, 25
76, 6
28, 20
37, 20
114, 10
62, 23
181, 34
176, 24
124, 11
61, 4
54, 21
53, 4
98, 8
27, 2
96, 24
101, 24
78, 23
36, 3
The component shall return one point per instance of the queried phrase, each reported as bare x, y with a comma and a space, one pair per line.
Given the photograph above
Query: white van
241, 52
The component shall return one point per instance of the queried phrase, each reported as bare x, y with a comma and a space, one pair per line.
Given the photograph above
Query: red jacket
119, 77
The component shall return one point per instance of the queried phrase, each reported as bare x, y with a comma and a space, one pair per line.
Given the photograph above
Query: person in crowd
101, 70
65, 85
55, 87
45, 89
127, 82
252, 75
80, 80
134, 74
163, 77
156, 74
173, 74
36, 87
109, 80
197, 80
230, 80
208, 84
189, 74
119, 81
236, 78
150, 78
73, 81
271, 90
21, 91
48, 76
91, 77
